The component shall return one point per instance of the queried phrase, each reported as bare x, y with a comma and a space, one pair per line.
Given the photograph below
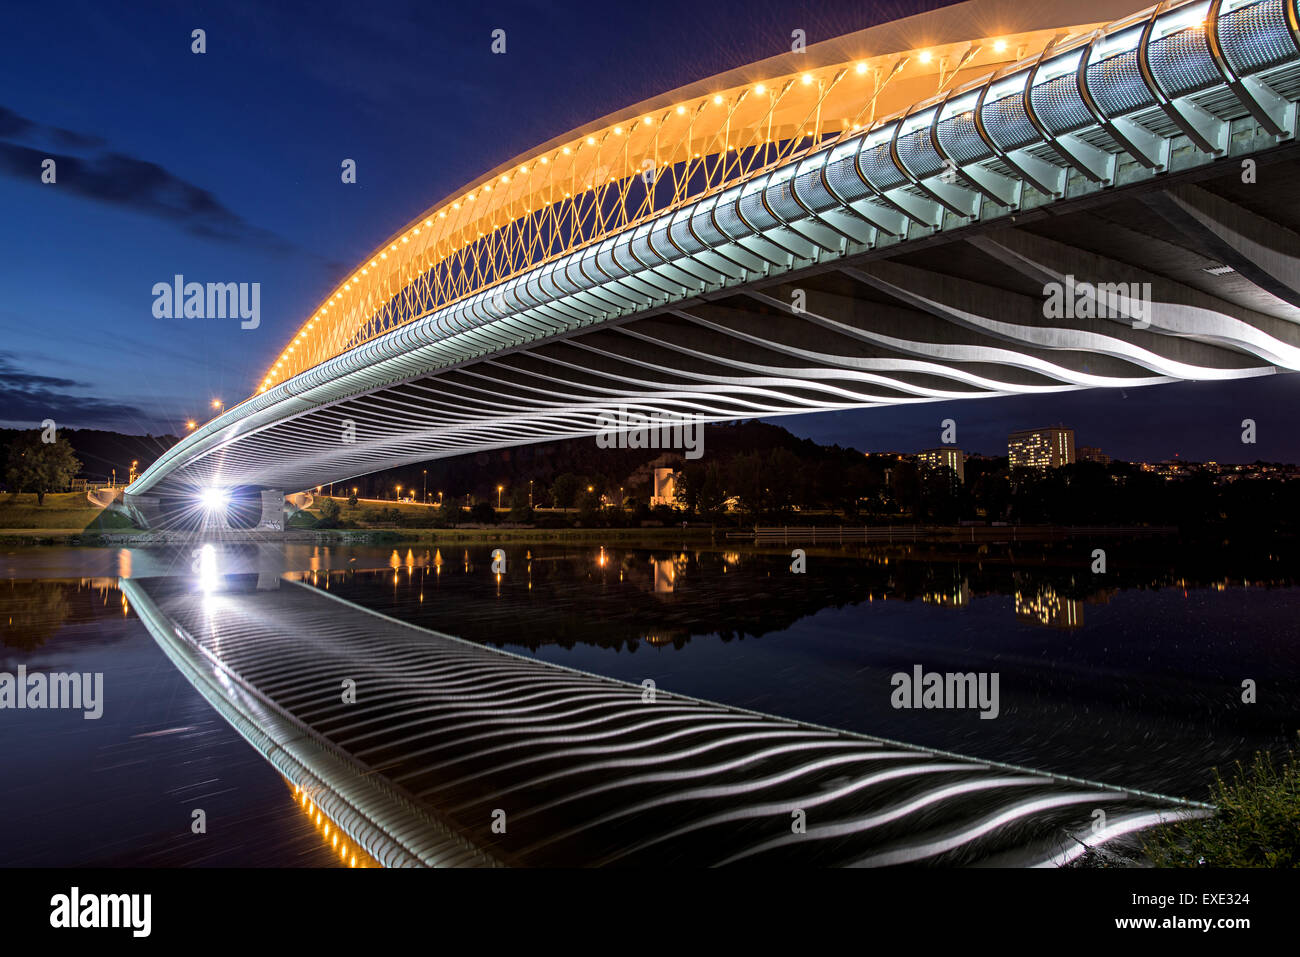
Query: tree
745, 482
700, 489
329, 514
40, 466
588, 508
565, 489
520, 509
352, 500
786, 484
38, 611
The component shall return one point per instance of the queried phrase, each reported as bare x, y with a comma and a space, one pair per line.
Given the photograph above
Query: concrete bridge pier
144, 510
272, 510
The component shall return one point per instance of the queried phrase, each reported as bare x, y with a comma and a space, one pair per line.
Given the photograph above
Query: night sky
224, 167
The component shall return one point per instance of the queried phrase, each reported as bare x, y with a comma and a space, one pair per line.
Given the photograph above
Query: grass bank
64, 513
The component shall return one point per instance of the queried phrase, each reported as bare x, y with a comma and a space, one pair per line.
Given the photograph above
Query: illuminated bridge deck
446, 736
864, 224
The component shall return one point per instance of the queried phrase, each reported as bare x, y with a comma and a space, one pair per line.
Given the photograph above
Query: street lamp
500, 489
530, 493
399, 493
191, 425
424, 486
218, 404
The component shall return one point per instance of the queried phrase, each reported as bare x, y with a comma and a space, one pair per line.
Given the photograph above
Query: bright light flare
214, 499
209, 577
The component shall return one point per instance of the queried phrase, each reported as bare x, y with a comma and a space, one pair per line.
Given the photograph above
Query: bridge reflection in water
455, 754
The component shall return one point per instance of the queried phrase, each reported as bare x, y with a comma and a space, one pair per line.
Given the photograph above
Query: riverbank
467, 535
61, 515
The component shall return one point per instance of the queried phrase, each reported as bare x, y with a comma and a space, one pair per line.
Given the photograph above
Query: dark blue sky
225, 167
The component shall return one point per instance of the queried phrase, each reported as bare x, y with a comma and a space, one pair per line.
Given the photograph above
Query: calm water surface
1138, 684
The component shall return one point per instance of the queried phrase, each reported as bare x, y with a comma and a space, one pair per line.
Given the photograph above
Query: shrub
1257, 823
588, 509
423, 518
449, 515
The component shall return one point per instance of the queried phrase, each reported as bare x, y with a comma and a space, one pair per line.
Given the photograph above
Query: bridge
917, 212
455, 754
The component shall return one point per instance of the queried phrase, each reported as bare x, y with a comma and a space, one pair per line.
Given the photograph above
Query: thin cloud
126, 181
29, 397
15, 127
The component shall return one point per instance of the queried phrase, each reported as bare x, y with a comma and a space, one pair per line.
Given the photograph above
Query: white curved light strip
610, 763
1192, 322
956, 839
1116, 828
972, 354
1072, 340
853, 368
840, 829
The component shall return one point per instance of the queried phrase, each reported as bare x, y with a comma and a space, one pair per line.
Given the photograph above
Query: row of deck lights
323, 823
718, 99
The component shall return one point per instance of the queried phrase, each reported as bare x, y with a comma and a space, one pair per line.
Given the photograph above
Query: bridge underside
962, 314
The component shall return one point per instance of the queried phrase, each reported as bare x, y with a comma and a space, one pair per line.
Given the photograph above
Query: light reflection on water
121, 790
1135, 684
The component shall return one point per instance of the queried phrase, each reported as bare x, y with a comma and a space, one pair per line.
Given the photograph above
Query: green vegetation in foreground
40, 462
68, 512
1257, 824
